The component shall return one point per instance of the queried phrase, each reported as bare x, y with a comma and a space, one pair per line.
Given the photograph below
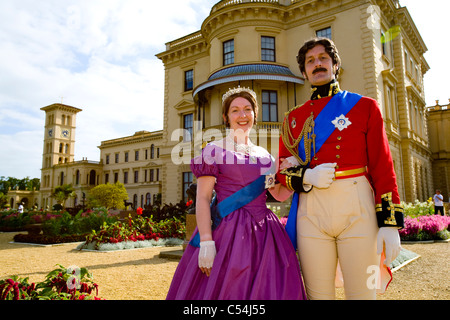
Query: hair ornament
238, 90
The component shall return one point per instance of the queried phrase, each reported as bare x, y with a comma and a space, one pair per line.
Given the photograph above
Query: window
126, 156
77, 178
116, 177
116, 158
228, 52
269, 106
152, 151
135, 201
384, 38
188, 80
325, 33
147, 198
136, 176
188, 125
125, 177
136, 155
107, 159
106, 178
151, 175
268, 49
187, 181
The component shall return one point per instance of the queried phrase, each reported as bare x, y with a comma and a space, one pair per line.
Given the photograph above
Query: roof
258, 71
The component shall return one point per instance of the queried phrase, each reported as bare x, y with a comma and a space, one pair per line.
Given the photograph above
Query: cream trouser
338, 223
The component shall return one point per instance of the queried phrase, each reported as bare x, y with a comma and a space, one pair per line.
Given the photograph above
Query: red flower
189, 203
139, 211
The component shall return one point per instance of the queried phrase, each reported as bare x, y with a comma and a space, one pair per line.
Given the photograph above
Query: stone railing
226, 3
191, 37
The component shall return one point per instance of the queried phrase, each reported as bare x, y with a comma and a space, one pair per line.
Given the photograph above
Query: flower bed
428, 227
139, 232
73, 283
61, 227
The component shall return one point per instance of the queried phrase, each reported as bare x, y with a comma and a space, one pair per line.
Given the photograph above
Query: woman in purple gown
249, 255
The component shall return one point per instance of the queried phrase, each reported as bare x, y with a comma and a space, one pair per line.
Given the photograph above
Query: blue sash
237, 200
341, 103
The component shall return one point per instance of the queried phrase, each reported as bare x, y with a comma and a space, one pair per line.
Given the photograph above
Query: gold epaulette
294, 108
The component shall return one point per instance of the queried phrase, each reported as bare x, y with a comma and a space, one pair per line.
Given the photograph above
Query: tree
108, 196
62, 193
22, 184
3, 200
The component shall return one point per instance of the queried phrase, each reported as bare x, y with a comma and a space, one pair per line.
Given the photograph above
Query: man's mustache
319, 70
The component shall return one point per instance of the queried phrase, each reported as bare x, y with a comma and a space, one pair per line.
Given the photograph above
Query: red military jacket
362, 144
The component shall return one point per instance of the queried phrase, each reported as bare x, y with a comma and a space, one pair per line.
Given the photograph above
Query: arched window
61, 180
152, 151
92, 177
147, 198
77, 177
61, 148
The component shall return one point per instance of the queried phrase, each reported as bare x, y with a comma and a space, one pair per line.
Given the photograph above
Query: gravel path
140, 274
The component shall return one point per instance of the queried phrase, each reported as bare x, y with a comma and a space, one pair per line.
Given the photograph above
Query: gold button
338, 156
315, 158
337, 167
311, 104
338, 147
339, 138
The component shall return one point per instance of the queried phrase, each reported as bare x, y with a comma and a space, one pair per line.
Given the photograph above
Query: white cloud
97, 55
21, 154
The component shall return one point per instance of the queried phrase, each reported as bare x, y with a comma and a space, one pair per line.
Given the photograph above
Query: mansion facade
254, 44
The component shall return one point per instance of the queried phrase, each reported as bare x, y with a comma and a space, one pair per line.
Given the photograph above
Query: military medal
293, 123
341, 122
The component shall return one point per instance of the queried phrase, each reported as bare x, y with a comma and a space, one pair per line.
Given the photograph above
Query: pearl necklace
241, 148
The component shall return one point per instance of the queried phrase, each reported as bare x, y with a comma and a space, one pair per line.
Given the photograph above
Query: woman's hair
232, 94
330, 48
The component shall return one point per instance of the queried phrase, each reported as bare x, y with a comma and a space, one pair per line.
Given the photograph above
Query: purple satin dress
255, 259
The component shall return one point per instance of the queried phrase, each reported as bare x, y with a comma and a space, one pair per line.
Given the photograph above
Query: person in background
20, 209
438, 199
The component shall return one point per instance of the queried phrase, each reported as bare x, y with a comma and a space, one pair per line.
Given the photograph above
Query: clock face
50, 132
65, 133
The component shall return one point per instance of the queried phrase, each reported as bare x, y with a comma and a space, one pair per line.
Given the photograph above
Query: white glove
391, 239
321, 176
206, 256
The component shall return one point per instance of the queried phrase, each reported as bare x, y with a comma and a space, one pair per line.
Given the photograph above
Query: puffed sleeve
206, 164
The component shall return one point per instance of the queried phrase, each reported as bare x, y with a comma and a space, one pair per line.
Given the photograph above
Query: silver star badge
341, 122
270, 181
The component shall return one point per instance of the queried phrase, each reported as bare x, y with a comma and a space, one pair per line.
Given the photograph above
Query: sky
99, 55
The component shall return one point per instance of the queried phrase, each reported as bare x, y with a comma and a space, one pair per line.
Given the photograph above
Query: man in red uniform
335, 156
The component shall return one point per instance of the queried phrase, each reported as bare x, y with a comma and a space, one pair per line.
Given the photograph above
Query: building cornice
140, 136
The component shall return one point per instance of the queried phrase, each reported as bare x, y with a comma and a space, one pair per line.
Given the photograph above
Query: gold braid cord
307, 134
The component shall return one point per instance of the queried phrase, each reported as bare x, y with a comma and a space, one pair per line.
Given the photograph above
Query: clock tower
59, 135
59, 140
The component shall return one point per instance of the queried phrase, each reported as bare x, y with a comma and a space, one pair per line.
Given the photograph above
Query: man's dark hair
330, 48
